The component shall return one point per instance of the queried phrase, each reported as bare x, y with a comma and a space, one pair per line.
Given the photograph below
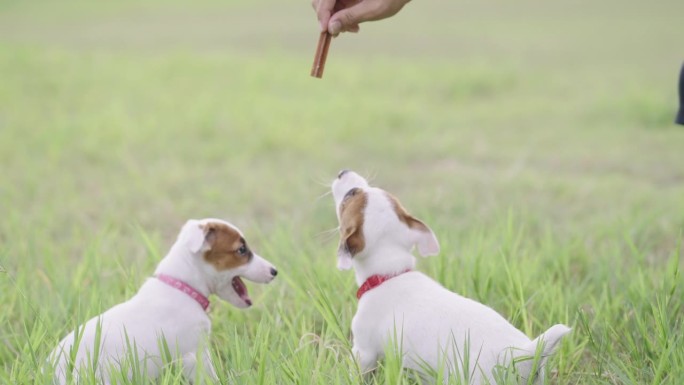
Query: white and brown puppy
404, 308
210, 256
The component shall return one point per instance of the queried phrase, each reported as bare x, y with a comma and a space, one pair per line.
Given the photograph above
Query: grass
534, 138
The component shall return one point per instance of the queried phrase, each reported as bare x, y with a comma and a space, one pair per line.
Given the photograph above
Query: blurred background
152, 112
120, 120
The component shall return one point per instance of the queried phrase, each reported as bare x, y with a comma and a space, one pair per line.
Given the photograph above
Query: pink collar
185, 288
374, 281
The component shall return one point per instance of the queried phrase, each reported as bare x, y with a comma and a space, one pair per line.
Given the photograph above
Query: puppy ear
351, 242
422, 237
198, 237
420, 234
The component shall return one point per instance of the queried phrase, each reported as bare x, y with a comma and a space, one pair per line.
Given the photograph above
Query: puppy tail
535, 354
548, 340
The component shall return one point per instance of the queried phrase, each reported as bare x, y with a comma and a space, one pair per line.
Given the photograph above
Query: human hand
337, 16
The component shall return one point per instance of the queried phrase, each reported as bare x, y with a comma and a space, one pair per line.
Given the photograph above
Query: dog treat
321, 54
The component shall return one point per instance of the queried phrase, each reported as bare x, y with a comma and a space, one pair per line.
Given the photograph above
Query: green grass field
535, 138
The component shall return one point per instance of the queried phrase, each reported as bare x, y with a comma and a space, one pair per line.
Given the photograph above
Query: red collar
374, 281
185, 288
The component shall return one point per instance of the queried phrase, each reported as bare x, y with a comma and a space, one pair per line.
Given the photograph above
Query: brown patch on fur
351, 221
226, 247
410, 221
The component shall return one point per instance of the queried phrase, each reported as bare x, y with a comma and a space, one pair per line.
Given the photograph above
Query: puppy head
370, 218
224, 256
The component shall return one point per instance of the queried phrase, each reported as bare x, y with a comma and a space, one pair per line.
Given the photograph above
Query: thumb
345, 19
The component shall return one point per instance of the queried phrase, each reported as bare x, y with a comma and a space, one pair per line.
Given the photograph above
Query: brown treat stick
321, 54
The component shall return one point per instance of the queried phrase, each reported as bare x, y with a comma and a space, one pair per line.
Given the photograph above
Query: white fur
157, 310
429, 323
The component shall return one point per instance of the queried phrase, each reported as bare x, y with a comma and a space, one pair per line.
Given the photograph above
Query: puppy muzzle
345, 181
260, 270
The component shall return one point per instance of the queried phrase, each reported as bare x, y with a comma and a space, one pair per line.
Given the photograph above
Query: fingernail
335, 27
322, 24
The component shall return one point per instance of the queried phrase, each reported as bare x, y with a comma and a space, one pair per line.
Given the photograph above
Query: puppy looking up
210, 256
404, 308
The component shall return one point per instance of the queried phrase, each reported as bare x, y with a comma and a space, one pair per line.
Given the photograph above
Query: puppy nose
274, 272
341, 173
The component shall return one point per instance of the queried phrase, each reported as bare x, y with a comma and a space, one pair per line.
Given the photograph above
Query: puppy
210, 256
431, 327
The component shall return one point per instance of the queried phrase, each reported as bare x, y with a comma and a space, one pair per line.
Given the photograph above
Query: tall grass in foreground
626, 317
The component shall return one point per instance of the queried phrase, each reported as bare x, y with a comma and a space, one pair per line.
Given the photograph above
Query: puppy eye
351, 192
242, 250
